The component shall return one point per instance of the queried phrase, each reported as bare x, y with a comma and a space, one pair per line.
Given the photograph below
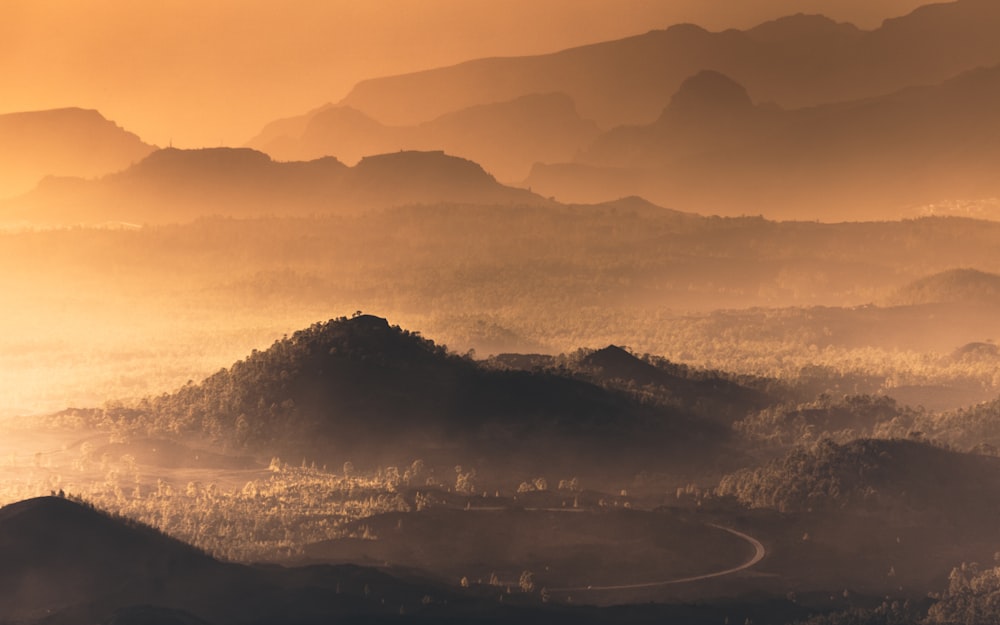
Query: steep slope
796, 61
879, 157
174, 185
362, 389
55, 553
62, 142
506, 137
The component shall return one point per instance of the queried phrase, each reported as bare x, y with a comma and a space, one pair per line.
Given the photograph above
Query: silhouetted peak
43, 528
209, 158
364, 337
433, 167
801, 27
640, 205
41, 510
707, 93
612, 356
69, 121
68, 114
617, 362
968, 286
369, 322
686, 30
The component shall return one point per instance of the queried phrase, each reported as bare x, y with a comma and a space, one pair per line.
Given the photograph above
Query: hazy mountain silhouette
796, 61
62, 142
363, 389
174, 185
956, 286
506, 138
869, 158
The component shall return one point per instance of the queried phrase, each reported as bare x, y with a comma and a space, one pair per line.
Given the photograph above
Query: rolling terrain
685, 327
880, 157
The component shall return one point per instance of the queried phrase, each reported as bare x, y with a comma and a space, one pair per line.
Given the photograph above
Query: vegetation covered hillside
912, 481
363, 389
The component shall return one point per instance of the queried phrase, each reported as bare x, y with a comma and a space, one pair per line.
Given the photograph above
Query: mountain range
843, 122
172, 185
797, 61
505, 137
713, 150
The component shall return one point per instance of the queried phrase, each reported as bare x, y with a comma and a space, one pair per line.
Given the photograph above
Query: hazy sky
210, 72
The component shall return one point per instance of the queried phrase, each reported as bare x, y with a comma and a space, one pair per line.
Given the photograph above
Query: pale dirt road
759, 553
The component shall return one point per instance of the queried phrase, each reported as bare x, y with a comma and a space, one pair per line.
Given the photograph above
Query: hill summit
57, 552
363, 389
62, 142
709, 94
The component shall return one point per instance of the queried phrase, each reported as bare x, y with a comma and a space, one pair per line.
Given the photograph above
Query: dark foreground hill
64, 563
363, 390
172, 185
58, 554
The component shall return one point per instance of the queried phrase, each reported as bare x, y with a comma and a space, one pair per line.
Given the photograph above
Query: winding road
759, 553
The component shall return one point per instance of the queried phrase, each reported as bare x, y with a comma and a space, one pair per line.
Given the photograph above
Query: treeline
274, 393
827, 418
175, 302
912, 481
972, 597
363, 389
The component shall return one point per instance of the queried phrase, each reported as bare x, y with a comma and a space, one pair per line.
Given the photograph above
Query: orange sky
210, 72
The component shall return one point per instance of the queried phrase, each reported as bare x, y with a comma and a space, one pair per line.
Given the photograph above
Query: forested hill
908, 479
362, 389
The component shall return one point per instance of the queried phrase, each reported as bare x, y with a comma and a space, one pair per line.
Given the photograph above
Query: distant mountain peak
430, 167
71, 141
708, 93
800, 27
212, 157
